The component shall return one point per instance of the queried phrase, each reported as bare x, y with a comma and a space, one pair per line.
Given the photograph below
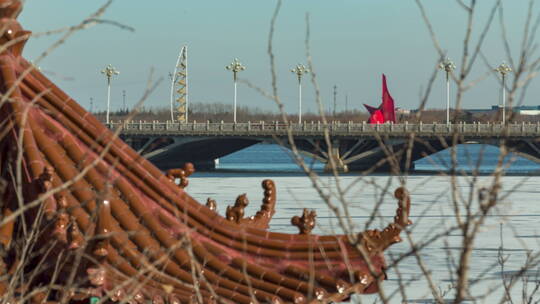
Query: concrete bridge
351, 146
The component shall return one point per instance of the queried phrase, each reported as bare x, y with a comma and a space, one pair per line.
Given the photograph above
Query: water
265, 158
472, 157
511, 231
480, 158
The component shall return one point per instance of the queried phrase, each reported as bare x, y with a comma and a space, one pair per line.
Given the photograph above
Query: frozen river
510, 233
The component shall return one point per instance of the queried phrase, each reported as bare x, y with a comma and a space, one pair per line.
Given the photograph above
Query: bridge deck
261, 129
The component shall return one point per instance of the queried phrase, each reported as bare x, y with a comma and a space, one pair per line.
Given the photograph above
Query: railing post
140, 125
153, 125
262, 125
249, 125
318, 125
522, 128
193, 125
276, 125
406, 125
420, 127
166, 125
207, 125
221, 126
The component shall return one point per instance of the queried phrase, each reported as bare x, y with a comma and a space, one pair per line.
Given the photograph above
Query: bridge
349, 146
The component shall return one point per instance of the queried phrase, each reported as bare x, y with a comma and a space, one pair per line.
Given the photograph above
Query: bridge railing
258, 128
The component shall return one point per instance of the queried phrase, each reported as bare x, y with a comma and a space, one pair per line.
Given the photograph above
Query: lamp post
503, 69
300, 70
448, 66
109, 72
235, 67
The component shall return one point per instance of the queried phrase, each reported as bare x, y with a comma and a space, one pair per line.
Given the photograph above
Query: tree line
217, 112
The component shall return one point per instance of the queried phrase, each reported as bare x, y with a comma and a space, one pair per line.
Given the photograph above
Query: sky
352, 43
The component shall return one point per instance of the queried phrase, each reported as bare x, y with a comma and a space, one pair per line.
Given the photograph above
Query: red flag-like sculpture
376, 116
386, 111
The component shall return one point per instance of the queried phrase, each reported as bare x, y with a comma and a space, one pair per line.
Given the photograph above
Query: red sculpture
117, 228
386, 112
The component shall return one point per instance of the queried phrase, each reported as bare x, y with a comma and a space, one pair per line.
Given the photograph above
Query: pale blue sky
353, 42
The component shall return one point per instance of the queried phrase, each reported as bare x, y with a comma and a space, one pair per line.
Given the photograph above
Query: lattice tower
180, 87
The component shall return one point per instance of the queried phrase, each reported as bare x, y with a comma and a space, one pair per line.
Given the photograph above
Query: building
522, 110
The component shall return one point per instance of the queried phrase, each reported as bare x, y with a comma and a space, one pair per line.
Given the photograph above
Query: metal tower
179, 88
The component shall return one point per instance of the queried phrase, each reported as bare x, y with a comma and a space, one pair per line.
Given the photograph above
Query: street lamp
448, 66
235, 67
109, 72
300, 70
503, 69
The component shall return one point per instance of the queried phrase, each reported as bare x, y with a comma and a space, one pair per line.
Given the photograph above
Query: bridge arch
352, 146
199, 150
